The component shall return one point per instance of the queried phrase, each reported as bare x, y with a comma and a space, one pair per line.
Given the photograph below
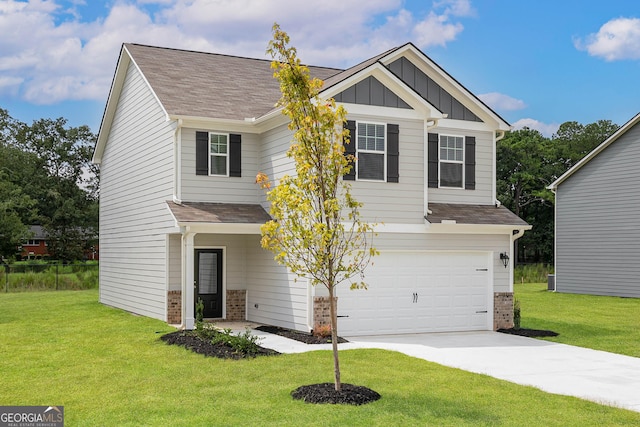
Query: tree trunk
334, 339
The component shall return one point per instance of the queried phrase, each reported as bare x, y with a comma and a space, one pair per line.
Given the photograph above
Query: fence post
57, 264
6, 277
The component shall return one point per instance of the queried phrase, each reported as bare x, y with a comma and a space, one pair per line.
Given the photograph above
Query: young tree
316, 231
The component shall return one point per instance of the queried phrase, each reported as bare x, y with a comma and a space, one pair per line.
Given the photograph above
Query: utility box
551, 282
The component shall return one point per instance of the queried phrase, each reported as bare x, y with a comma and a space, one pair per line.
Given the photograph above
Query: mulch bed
531, 333
298, 336
194, 343
326, 393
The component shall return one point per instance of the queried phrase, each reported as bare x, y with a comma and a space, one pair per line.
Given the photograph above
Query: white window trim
384, 161
216, 154
440, 161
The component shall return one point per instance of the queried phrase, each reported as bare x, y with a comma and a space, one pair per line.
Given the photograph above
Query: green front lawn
108, 368
598, 322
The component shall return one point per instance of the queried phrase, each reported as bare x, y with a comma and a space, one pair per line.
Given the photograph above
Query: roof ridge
222, 54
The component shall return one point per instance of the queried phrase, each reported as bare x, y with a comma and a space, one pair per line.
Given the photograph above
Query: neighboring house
185, 133
37, 247
597, 234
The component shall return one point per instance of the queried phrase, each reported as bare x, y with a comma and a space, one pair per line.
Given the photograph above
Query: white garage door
412, 292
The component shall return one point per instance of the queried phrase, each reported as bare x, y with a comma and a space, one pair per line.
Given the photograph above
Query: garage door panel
413, 292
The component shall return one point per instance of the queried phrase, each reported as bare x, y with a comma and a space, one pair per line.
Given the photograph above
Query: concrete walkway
605, 378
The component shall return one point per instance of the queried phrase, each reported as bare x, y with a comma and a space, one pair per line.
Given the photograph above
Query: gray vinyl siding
202, 188
455, 243
174, 262
280, 299
401, 202
136, 179
483, 193
597, 233
273, 156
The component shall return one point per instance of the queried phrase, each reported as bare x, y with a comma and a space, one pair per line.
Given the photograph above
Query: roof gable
371, 92
586, 159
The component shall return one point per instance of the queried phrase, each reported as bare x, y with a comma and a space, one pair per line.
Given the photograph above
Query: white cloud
546, 129
499, 101
49, 54
616, 39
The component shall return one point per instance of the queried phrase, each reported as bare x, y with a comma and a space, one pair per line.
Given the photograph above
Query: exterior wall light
505, 259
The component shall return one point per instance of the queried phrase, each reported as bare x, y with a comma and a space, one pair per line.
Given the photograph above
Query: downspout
177, 166
515, 235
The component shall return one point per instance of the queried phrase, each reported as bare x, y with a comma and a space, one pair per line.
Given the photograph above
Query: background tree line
526, 163
47, 178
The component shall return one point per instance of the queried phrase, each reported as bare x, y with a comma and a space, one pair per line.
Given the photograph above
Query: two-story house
183, 136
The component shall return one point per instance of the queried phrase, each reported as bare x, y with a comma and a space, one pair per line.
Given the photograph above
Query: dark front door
209, 281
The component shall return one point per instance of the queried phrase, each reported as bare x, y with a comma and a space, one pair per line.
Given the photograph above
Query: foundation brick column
236, 305
174, 307
502, 310
321, 312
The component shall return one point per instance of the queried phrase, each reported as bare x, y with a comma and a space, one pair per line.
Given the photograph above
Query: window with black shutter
376, 149
218, 154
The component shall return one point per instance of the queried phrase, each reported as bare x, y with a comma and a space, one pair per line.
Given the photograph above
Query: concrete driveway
605, 378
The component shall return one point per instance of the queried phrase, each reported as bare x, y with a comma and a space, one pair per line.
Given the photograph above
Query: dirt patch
190, 340
304, 337
531, 333
326, 393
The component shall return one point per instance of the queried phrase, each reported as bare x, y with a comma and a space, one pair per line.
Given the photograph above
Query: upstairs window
218, 154
371, 151
451, 161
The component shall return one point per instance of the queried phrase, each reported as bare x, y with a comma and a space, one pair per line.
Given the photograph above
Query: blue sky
538, 63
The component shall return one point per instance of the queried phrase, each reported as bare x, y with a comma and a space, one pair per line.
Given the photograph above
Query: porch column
188, 280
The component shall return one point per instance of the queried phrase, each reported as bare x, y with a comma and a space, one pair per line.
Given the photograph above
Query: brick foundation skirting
236, 305
502, 310
174, 307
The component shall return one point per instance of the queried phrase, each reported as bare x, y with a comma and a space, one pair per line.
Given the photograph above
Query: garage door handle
482, 269
344, 315
484, 311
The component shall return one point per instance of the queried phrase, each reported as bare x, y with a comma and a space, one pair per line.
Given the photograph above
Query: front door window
209, 281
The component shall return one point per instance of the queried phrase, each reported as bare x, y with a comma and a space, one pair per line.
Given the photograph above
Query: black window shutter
350, 149
202, 153
235, 155
432, 164
393, 153
470, 162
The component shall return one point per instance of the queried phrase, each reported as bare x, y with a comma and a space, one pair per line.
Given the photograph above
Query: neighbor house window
371, 146
451, 161
218, 154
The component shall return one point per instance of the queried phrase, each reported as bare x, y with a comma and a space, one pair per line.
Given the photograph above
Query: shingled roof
220, 213
473, 214
199, 84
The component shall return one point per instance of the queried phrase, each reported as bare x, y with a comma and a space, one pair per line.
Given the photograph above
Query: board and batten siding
391, 202
219, 189
483, 193
136, 179
597, 233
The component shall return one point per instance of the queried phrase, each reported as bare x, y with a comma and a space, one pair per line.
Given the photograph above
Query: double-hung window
219, 154
371, 151
451, 161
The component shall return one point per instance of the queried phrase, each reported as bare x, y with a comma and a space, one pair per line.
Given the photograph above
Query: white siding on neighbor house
453, 243
217, 189
273, 295
597, 233
483, 193
136, 179
396, 202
